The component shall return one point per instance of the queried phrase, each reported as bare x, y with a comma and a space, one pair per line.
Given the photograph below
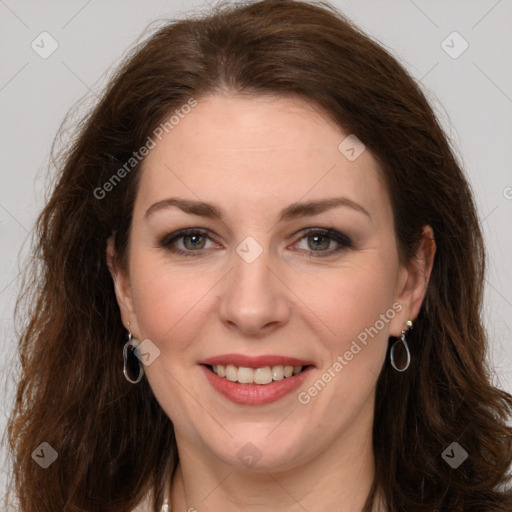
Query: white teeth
288, 371
245, 375
277, 372
264, 375
231, 372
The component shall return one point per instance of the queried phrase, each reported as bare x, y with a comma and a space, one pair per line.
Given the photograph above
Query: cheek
349, 300
168, 300
356, 309
170, 306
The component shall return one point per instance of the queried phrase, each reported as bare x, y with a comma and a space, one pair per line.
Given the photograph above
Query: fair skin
253, 157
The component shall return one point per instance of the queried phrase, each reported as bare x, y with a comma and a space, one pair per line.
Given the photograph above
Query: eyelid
331, 232
166, 241
344, 242
182, 232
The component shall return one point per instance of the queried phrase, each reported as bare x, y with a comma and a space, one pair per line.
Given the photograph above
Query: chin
260, 453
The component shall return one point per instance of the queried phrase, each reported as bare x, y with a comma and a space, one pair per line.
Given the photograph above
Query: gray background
472, 94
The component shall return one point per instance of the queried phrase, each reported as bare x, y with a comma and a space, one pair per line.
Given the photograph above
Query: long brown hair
114, 442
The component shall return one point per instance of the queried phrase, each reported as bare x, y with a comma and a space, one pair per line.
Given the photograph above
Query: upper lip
255, 361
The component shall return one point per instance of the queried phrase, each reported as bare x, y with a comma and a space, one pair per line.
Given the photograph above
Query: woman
260, 288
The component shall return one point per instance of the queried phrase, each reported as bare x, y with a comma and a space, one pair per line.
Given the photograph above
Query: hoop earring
406, 346
129, 362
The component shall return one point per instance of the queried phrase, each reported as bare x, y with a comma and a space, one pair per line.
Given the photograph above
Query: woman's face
257, 283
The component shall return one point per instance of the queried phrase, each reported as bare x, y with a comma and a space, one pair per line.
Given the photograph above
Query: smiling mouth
261, 376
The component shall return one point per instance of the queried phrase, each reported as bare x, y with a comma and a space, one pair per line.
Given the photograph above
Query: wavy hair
115, 444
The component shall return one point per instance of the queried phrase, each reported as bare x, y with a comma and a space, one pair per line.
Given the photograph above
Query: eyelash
344, 241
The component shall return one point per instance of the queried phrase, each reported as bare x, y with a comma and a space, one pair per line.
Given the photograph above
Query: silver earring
406, 347
131, 361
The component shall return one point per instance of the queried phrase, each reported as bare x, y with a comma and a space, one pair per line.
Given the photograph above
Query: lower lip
255, 394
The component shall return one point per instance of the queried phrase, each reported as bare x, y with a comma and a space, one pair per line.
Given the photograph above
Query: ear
413, 280
122, 286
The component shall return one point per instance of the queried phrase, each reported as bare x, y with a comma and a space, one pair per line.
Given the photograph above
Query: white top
145, 505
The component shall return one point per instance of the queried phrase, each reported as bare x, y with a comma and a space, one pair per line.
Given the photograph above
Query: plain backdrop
467, 77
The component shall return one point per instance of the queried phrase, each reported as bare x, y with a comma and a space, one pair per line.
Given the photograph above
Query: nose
254, 298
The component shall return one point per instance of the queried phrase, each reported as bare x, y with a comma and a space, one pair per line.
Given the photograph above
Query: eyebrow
293, 211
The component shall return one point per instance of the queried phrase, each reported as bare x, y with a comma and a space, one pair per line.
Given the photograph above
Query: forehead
255, 152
